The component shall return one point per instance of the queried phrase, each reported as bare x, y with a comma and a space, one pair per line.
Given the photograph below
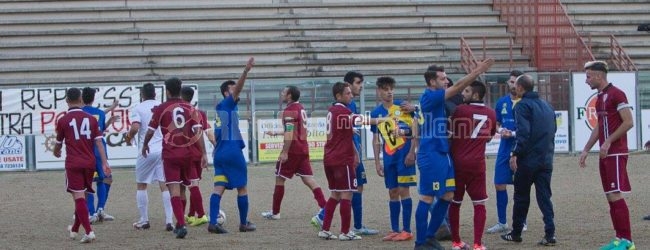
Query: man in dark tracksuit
532, 159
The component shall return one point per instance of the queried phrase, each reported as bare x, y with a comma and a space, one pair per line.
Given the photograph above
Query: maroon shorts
197, 168
341, 178
295, 165
473, 182
178, 170
613, 174
79, 180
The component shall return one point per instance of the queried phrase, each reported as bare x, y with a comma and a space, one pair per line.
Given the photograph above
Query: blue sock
101, 195
394, 207
321, 214
407, 209
421, 222
438, 214
90, 202
357, 208
242, 204
108, 190
502, 205
215, 202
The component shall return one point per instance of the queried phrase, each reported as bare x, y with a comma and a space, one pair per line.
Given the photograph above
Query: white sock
167, 203
143, 204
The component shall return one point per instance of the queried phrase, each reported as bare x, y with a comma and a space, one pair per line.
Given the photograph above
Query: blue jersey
101, 121
356, 137
226, 126
506, 117
433, 129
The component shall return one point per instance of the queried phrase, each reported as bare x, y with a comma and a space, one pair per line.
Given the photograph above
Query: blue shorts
502, 172
361, 174
396, 174
99, 175
230, 169
436, 174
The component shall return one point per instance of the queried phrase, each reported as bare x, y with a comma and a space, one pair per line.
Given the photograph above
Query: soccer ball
221, 219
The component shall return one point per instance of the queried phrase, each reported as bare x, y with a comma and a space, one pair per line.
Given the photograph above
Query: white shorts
150, 169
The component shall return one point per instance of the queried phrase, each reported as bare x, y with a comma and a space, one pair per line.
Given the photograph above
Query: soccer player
503, 175
398, 169
79, 130
196, 215
434, 163
229, 164
614, 120
294, 157
180, 126
339, 160
472, 126
150, 169
102, 180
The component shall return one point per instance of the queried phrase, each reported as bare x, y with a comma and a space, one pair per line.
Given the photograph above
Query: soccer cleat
625, 245
72, 235
443, 233
140, 225
327, 235
459, 246
200, 221
103, 216
88, 238
169, 227
647, 217
390, 236
511, 237
432, 243
365, 231
525, 228
479, 247
189, 219
317, 223
248, 227
180, 232
94, 219
612, 244
547, 241
349, 236
216, 229
269, 215
498, 228
403, 236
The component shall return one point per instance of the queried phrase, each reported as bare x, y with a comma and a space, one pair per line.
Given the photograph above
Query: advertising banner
12, 153
269, 147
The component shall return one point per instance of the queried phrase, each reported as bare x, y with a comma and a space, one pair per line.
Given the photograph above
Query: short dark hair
432, 72
338, 88
597, 66
225, 85
187, 93
526, 81
385, 81
349, 77
294, 92
479, 88
88, 95
173, 85
450, 82
516, 73
73, 94
148, 91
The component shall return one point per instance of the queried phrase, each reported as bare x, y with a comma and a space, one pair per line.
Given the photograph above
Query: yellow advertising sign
269, 147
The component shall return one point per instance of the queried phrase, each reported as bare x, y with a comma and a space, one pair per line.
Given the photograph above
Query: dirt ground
35, 211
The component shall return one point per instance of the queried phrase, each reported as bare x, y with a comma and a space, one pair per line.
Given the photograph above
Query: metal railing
619, 58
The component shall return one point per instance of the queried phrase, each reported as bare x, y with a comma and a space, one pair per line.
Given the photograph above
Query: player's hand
583, 159
204, 161
270, 133
380, 169
283, 157
107, 169
604, 149
250, 64
57, 152
407, 107
410, 159
128, 139
484, 65
513, 163
145, 150
647, 145
112, 119
506, 133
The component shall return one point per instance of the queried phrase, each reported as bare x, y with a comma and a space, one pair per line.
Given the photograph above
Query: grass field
36, 209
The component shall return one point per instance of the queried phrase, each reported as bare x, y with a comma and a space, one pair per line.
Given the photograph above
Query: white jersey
142, 113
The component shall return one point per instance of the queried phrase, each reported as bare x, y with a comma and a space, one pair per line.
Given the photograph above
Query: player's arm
57, 149
112, 107
102, 154
59, 140
242, 79
481, 67
145, 144
415, 133
376, 147
289, 128
593, 138
129, 135
198, 130
626, 124
210, 134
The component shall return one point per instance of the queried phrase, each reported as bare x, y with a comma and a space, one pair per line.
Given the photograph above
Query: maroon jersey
339, 148
196, 149
609, 102
176, 119
472, 127
80, 130
294, 118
